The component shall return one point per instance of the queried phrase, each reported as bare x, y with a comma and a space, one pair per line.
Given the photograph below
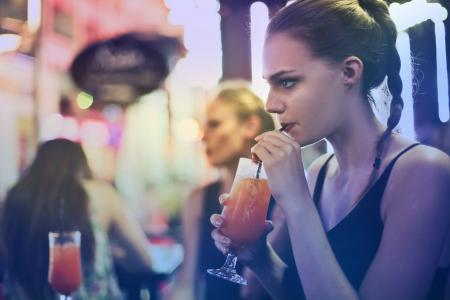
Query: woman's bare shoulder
104, 200
422, 175
98, 185
195, 197
420, 154
424, 160
103, 194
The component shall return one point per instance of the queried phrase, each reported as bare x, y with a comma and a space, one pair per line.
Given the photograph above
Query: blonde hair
244, 102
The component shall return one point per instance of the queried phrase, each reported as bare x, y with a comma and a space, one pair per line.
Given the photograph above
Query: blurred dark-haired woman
33, 207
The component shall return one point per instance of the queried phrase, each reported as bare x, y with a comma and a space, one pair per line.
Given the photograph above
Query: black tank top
356, 238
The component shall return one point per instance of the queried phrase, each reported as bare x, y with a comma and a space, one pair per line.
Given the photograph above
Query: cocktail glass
64, 270
244, 214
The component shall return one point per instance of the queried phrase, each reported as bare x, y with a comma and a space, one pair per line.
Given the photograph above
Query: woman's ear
351, 70
252, 127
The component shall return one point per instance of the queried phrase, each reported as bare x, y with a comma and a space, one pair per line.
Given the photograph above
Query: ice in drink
246, 209
65, 268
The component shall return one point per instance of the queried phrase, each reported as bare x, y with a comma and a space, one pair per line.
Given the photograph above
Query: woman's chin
216, 162
303, 142
300, 139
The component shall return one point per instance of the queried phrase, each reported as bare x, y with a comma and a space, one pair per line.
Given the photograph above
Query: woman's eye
213, 124
287, 83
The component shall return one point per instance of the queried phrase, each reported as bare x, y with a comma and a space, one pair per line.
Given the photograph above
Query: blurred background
90, 71
141, 130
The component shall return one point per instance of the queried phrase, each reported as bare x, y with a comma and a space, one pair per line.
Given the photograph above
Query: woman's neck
228, 170
226, 177
355, 142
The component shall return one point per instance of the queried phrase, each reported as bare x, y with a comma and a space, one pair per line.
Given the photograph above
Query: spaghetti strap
405, 150
388, 169
320, 180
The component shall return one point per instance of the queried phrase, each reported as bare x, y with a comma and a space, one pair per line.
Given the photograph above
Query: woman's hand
283, 164
247, 254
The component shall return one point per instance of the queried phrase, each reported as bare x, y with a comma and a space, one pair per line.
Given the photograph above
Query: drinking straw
61, 215
258, 171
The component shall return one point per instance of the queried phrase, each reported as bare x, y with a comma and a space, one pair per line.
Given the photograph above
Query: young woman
32, 209
234, 118
372, 220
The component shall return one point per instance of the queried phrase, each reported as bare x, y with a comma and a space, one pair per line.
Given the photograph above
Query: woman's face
224, 135
304, 90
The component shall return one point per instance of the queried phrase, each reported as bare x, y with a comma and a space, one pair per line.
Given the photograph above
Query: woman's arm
416, 215
275, 282
278, 238
125, 230
184, 287
415, 225
270, 270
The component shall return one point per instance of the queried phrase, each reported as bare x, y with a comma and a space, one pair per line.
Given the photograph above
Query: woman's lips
287, 126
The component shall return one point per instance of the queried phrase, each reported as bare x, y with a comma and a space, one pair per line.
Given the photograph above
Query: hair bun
368, 3
374, 7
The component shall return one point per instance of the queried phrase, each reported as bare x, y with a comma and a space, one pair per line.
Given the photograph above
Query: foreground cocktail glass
64, 270
244, 214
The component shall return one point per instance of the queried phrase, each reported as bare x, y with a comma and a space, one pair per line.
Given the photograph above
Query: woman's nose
204, 134
273, 104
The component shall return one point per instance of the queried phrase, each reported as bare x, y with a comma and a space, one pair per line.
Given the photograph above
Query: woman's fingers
245, 253
220, 238
269, 227
267, 149
255, 158
275, 135
275, 145
279, 140
269, 145
223, 198
216, 220
222, 242
221, 248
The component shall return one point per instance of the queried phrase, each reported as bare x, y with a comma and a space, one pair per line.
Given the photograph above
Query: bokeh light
94, 133
84, 100
9, 42
188, 129
51, 127
259, 14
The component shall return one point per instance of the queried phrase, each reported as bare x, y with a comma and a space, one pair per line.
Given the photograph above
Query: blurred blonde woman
234, 118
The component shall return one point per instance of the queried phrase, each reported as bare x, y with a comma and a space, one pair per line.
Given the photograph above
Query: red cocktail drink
64, 272
246, 210
244, 214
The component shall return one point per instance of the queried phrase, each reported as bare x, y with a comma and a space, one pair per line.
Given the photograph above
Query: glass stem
230, 262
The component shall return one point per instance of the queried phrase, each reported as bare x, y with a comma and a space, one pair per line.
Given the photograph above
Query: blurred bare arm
184, 287
126, 231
